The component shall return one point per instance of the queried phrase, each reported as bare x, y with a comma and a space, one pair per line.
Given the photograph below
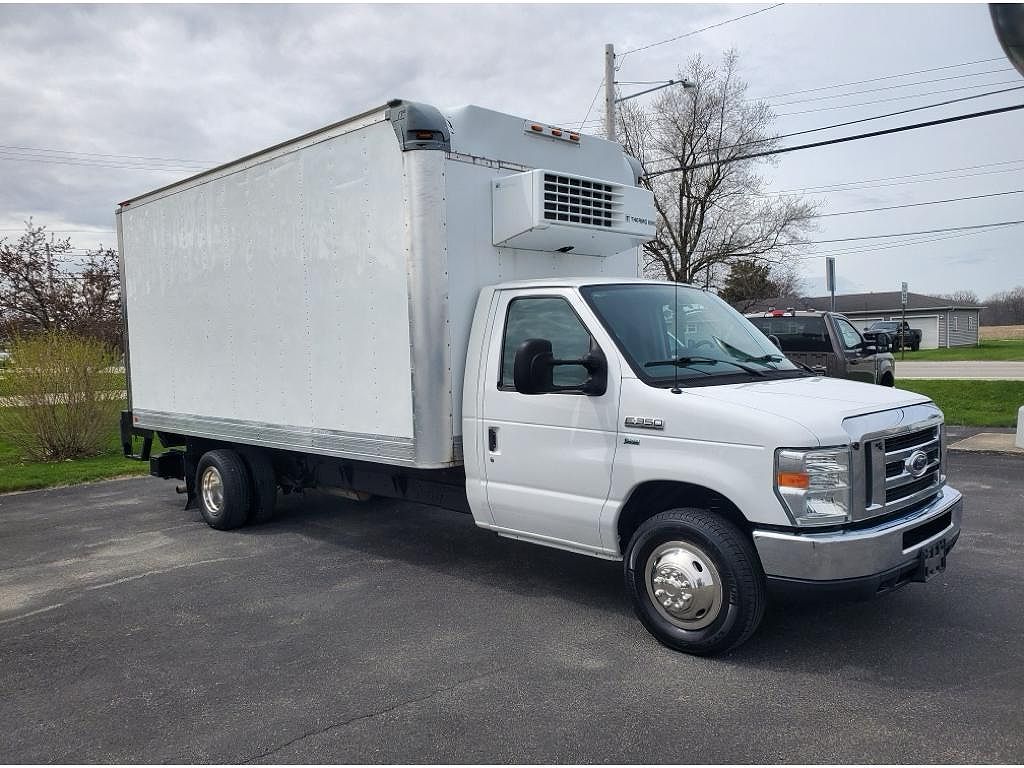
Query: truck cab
828, 343
649, 422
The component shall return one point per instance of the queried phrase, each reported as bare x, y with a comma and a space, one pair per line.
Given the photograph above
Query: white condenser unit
543, 210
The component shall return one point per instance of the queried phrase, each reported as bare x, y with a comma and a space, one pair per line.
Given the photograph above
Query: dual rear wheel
234, 488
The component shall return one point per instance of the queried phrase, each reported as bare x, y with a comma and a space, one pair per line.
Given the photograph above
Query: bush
60, 405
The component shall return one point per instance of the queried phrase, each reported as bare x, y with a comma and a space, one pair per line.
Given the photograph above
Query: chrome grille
890, 484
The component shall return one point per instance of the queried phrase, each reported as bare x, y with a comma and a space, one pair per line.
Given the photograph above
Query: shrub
59, 403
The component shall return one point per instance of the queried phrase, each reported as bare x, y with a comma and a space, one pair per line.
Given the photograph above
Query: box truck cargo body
446, 308
318, 296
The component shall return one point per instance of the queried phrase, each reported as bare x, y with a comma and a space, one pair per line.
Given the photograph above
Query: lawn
972, 403
17, 474
1008, 349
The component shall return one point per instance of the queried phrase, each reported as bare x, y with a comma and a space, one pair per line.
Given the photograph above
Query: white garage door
929, 327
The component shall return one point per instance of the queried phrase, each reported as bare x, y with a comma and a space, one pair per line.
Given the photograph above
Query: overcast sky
177, 88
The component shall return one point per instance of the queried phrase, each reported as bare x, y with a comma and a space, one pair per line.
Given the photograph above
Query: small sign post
830, 278
903, 334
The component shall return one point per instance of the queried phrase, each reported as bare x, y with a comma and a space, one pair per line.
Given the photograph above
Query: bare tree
962, 296
45, 286
711, 216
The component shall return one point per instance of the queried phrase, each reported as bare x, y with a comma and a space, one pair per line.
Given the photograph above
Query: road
967, 369
390, 632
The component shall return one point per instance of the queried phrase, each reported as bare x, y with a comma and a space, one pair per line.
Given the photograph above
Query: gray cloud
210, 83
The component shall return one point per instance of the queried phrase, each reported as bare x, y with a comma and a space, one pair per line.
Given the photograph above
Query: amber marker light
794, 480
536, 127
556, 131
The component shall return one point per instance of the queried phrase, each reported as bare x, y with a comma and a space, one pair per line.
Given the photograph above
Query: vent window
581, 201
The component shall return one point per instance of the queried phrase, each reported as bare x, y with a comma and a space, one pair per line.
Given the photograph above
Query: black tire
235, 489
915, 347
264, 485
888, 380
743, 595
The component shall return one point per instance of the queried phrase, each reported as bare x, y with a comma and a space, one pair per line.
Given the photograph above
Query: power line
916, 205
841, 140
593, 101
861, 120
899, 244
97, 164
100, 154
894, 180
907, 234
897, 98
891, 87
879, 79
697, 31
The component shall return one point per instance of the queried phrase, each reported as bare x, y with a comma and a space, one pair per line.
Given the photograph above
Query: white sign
903, 297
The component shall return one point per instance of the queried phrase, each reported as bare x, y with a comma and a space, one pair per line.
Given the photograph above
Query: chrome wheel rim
212, 490
684, 585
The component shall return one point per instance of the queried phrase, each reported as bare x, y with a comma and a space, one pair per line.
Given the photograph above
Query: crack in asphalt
370, 715
116, 582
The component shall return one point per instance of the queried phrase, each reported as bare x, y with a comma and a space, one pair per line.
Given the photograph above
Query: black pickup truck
828, 343
900, 332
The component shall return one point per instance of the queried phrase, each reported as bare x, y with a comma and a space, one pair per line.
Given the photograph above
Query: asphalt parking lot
381, 632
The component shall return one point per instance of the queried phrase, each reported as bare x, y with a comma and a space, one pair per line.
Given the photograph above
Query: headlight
814, 485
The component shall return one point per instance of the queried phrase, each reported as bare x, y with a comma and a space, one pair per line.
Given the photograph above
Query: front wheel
695, 581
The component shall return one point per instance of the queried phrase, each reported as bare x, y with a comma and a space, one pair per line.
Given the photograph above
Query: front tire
223, 488
695, 581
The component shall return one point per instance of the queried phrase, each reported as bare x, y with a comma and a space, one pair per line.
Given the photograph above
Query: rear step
128, 434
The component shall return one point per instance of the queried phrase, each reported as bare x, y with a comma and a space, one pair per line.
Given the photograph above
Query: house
942, 323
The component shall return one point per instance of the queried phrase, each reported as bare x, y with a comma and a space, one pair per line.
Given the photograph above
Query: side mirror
534, 365
775, 340
883, 342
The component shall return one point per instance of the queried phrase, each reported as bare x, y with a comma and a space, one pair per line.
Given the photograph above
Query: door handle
492, 439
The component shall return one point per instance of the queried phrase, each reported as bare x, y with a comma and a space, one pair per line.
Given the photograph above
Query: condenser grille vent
581, 201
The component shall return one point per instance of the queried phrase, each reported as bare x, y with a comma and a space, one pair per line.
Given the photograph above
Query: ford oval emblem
916, 463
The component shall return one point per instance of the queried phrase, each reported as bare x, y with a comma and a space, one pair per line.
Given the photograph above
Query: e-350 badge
641, 422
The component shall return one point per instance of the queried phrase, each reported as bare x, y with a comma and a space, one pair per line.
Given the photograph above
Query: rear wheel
264, 485
222, 485
695, 581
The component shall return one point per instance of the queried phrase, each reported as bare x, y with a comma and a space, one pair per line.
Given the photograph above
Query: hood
819, 404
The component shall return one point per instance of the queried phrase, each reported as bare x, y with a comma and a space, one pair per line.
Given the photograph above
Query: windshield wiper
687, 361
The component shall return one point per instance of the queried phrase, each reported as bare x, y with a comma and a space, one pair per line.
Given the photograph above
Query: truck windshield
667, 332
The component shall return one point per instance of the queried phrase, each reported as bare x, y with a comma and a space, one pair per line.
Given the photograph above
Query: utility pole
609, 91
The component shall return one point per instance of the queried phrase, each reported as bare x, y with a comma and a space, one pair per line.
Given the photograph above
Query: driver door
548, 457
859, 366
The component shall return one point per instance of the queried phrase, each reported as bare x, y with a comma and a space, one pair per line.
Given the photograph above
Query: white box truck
445, 308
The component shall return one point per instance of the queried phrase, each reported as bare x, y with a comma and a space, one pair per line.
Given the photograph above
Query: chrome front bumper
860, 553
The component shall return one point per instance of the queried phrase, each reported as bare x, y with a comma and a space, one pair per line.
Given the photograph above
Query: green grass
1009, 349
19, 474
972, 403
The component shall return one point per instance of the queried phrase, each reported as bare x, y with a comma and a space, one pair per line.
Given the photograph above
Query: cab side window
847, 333
551, 318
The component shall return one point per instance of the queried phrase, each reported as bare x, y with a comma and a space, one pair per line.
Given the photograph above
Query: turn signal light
574, 137
536, 127
794, 480
556, 131
424, 135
